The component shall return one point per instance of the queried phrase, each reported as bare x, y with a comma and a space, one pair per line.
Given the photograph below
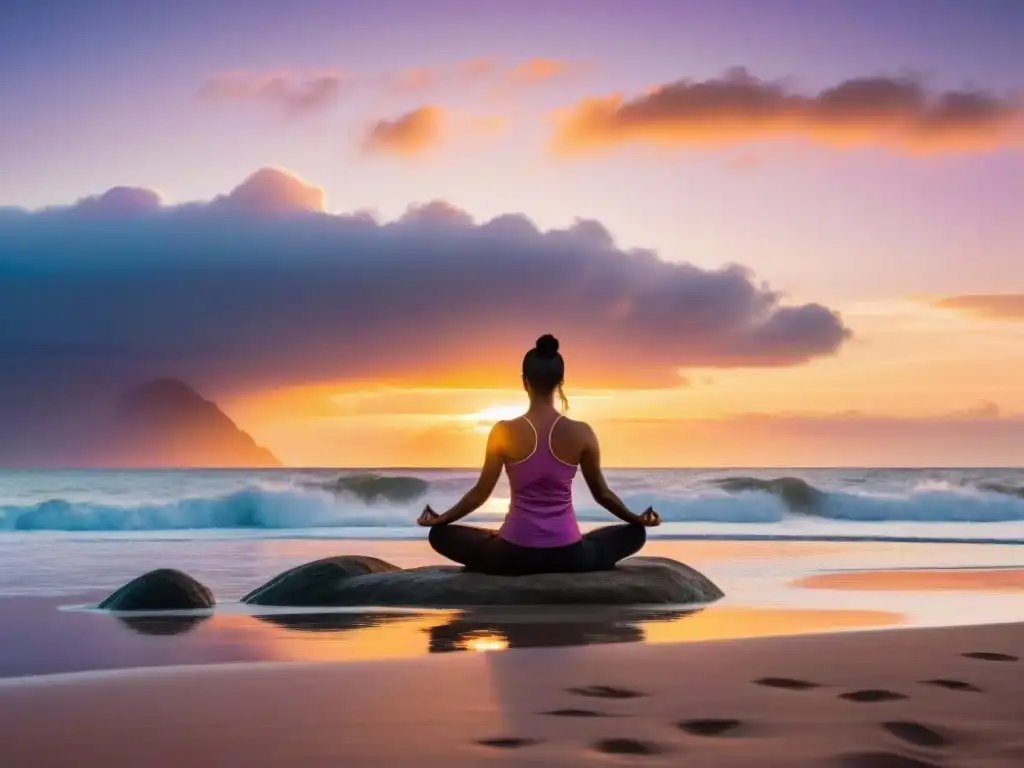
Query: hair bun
547, 346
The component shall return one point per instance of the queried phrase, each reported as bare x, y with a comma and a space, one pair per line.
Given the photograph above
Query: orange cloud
413, 133
992, 306
539, 70
293, 91
895, 112
425, 128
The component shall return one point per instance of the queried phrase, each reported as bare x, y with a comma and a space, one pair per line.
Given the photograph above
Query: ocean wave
373, 501
927, 501
253, 508
373, 488
1007, 490
798, 495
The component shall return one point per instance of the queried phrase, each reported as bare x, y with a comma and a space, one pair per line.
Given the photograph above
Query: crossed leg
611, 543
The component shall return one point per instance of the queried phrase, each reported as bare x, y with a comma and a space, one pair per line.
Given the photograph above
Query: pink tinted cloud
295, 92
121, 200
411, 80
483, 70
992, 306
272, 191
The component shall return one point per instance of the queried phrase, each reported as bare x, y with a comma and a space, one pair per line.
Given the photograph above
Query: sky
767, 234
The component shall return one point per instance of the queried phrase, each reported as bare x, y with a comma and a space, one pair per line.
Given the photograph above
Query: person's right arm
590, 464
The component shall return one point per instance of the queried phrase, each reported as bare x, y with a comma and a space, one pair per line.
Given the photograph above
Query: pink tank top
541, 512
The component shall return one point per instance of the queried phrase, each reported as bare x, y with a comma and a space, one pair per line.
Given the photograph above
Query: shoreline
845, 699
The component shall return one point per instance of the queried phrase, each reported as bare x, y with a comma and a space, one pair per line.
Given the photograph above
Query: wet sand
881, 699
35, 633
952, 580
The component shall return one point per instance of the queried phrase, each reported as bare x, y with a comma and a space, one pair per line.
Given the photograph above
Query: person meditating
541, 451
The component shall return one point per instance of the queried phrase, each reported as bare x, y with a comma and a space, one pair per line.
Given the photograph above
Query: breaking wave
373, 488
928, 501
376, 501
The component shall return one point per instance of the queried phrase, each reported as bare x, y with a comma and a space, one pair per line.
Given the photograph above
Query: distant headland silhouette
166, 423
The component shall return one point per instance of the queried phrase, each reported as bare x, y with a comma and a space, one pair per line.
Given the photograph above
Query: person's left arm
489, 474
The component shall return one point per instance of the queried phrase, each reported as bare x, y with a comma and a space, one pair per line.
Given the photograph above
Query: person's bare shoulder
579, 429
498, 440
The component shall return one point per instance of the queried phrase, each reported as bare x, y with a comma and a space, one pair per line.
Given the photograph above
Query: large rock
165, 589
367, 581
316, 583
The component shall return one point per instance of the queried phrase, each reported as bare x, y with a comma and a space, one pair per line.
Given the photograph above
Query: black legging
483, 550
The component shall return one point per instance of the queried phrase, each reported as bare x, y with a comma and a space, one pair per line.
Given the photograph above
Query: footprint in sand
880, 760
709, 727
915, 733
872, 695
627, 747
786, 683
953, 685
575, 713
606, 692
988, 656
508, 743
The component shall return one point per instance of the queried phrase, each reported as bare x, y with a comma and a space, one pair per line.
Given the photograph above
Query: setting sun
487, 416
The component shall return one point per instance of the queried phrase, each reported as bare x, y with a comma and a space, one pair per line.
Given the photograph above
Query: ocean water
68, 538
71, 529
910, 503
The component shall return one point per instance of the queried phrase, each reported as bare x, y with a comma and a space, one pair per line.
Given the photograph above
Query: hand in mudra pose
428, 517
650, 518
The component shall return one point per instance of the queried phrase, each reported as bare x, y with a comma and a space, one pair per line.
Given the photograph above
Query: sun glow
496, 413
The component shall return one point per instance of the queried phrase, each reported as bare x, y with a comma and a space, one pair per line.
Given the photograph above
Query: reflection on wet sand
36, 632
163, 625
333, 622
486, 630
732, 622
307, 637
483, 629
927, 580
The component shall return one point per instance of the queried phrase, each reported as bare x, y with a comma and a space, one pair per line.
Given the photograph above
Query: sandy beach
866, 655
881, 699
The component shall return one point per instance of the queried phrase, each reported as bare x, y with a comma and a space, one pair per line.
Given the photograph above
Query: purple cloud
261, 288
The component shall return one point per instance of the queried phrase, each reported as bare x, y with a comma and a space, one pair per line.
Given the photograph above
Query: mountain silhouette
166, 423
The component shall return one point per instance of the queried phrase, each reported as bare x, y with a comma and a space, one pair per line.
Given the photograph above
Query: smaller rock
165, 589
